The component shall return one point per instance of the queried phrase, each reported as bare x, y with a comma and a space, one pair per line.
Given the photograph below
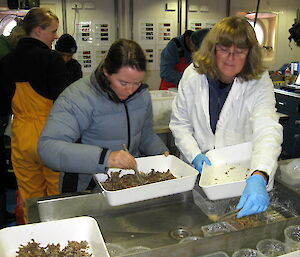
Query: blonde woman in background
32, 77
7, 44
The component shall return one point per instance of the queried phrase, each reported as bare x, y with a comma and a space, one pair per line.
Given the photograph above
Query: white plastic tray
184, 173
226, 177
60, 231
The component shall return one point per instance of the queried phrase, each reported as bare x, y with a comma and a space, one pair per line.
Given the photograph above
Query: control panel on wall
93, 39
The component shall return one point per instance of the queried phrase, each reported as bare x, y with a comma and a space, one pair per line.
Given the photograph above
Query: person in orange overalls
32, 77
177, 56
7, 44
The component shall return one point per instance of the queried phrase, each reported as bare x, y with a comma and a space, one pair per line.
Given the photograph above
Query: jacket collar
29, 42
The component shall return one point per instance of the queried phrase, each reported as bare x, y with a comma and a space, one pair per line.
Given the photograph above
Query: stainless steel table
160, 223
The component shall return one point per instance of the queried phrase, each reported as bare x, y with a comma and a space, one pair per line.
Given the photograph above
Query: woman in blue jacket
110, 108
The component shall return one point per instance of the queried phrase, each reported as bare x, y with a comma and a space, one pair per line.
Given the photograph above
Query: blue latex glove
199, 160
255, 197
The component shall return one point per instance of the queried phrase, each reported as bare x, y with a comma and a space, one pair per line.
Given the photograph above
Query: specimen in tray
115, 182
73, 249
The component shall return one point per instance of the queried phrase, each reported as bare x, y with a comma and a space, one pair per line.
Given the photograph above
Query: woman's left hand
255, 198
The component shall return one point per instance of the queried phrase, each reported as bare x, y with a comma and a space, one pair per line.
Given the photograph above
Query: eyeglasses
225, 52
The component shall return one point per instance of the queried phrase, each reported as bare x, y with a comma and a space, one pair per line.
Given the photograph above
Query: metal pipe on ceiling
123, 19
117, 21
179, 17
257, 8
64, 15
186, 14
228, 5
131, 18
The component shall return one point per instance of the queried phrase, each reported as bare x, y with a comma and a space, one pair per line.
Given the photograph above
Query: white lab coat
249, 114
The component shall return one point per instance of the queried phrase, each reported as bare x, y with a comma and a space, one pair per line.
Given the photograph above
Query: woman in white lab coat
225, 98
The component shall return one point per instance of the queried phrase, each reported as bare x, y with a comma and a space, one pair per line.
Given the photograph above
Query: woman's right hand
199, 160
121, 159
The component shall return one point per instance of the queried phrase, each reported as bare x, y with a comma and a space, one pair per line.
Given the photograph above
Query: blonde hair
227, 32
38, 17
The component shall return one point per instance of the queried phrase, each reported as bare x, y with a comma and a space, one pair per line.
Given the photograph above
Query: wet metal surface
180, 233
160, 224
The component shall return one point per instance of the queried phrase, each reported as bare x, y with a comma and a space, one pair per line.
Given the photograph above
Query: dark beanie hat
198, 36
66, 44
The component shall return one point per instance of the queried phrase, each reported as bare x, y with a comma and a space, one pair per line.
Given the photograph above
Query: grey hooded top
86, 112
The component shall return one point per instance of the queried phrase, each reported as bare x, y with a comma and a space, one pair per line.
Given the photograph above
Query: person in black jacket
67, 47
7, 44
32, 77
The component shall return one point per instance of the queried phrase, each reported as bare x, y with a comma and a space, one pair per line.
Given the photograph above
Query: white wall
143, 9
156, 9
286, 13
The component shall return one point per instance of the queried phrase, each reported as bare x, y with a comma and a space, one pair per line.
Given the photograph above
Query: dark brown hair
123, 53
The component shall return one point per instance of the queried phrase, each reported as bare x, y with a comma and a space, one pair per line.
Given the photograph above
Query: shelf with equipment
288, 103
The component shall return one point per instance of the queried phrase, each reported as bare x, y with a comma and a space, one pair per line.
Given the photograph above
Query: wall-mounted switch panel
77, 5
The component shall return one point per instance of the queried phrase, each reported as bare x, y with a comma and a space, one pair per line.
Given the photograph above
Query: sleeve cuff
263, 173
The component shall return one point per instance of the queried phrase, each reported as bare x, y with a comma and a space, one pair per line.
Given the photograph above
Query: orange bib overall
30, 113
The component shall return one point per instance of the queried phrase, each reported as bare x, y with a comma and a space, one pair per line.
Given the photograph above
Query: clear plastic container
246, 252
271, 248
189, 239
290, 173
292, 237
216, 254
215, 229
213, 209
162, 106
